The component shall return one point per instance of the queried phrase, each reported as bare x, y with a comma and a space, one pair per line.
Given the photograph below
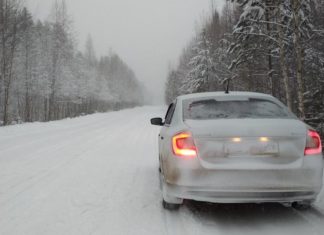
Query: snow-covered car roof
223, 94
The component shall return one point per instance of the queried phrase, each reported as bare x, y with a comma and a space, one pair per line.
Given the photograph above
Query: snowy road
98, 175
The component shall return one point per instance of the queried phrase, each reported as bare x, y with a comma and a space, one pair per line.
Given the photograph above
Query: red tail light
313, 144
183, 145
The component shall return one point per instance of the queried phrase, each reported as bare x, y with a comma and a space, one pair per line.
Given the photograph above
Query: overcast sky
147, 34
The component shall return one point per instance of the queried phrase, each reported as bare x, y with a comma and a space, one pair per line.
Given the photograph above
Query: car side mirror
157, 122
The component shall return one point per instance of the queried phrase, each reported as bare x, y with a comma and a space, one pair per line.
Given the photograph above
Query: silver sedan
237, 148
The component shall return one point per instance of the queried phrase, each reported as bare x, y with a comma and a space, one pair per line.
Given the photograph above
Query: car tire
170, 206
304, 205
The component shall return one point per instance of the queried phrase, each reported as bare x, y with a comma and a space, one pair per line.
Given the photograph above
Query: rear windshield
233, 109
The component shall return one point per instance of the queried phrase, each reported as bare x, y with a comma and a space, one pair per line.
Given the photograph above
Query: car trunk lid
249, 143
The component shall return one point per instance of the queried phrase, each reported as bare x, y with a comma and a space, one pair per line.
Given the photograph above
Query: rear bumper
239, 196
243, 186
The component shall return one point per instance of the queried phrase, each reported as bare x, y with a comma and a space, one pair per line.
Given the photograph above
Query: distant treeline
272, 46
44, 77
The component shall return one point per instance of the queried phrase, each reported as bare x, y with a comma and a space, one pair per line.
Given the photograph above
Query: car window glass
251, 108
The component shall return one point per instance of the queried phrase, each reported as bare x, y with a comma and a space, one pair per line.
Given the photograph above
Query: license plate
251, 148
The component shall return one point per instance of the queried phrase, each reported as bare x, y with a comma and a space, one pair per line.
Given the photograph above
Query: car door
163, 141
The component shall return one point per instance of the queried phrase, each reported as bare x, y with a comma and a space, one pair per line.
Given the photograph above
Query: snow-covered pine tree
219, 31
255, 40
61, 53
302, 31
26, 63
202, 74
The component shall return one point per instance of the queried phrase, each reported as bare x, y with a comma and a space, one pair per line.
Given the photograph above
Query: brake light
183, 145
313, 144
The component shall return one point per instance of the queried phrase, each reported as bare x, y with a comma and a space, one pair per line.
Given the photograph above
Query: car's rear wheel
304, 205
170, 206
169, 202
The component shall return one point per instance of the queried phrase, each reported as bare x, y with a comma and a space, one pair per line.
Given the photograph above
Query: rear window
233, 109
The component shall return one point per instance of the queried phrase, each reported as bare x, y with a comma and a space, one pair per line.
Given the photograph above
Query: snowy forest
43, 76
269, 46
